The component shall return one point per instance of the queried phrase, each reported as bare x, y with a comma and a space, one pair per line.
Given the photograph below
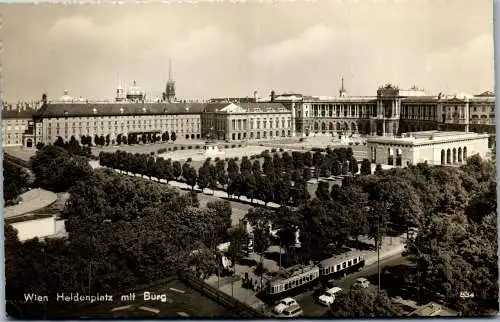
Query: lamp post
378, 251
418, 270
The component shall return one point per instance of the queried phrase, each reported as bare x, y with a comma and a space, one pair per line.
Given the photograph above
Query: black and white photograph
249, 159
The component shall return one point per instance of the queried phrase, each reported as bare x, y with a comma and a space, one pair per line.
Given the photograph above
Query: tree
108, 139
345, 167
308, 159
203, 177
336, 168
300, 195
261, 242
366, 167
307, 174
56, 170
323, 192
96, 140
173, 136
176, 169
212, 184
282, 189
353, 165
378, 169
287, 238
59, 142
256, 169
250, 185
118, 139
239, 245
167, 137
246, 165
363, 303
15, 180
190, 176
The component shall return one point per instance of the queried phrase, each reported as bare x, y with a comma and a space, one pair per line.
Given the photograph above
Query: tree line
131, 138
279, 179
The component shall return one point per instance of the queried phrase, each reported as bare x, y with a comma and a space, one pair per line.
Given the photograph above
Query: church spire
342, 90
169, 94
169, 70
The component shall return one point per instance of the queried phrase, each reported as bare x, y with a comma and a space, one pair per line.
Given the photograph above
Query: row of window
335, 268
300, 280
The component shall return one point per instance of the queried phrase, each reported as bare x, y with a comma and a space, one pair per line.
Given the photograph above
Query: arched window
448, 156
460, 154
454, 155
465, 154
443, 157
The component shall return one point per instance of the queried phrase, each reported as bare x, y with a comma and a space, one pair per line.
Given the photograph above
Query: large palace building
392, 112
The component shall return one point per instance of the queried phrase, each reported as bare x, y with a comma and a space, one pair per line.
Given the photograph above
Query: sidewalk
390, 246
31, 200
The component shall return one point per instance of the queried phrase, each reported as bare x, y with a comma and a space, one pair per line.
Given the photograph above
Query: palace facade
392, 112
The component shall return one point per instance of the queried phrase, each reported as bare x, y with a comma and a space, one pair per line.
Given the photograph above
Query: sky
231, 49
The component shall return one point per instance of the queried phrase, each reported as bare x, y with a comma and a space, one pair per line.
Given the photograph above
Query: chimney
273, 96
255, 96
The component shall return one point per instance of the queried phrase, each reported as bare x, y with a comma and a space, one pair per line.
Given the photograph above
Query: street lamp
418, 269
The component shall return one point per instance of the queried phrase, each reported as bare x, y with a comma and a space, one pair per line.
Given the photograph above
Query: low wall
221, 297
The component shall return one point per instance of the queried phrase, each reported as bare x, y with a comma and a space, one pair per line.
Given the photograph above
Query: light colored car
328, 297
361, 283
292, 311
284, 304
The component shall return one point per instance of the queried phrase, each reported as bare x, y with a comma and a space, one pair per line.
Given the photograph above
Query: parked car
361, 283
328, 297
284, 304
292, 311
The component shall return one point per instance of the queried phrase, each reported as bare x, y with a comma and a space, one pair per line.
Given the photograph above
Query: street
311, 307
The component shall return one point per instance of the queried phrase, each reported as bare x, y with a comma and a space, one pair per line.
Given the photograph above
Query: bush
273, 150
190, 147
169, 149
233, 146
227, 159
350, 143
301, 140
152, 153
189, 159
239, 145
260, 269
217, 159
236, 159
183, 147
357, 143
197, 147
226, 146
175, 148
281, 149
364, 143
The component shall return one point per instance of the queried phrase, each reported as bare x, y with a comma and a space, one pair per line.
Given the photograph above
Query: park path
31, 200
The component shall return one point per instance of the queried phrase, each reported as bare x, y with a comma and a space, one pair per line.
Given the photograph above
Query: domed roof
66, 97
134, 90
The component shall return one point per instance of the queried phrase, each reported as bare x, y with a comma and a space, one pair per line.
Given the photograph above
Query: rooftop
341, 258
417, 138
433, 309
289, 272
17, 114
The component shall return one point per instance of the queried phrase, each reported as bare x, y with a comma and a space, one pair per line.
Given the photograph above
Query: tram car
339, 266
297, 279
